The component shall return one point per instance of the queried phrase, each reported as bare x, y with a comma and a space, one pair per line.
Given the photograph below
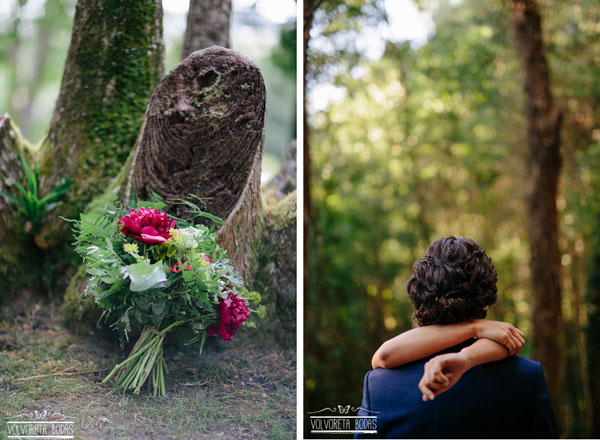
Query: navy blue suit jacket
504, 399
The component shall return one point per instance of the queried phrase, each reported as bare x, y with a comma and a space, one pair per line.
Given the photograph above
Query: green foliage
284, 55
177, 285
31, 206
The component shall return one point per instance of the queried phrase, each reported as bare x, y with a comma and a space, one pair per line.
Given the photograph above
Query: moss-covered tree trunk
16, 259
274, 274
113, 64
544, 121
207, 25
203, 135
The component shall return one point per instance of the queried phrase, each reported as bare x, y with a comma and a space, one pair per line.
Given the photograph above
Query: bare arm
443, 371
419, 342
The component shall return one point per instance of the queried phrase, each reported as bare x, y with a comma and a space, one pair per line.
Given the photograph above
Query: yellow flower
131, 248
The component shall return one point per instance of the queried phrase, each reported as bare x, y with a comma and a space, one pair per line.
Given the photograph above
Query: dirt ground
236, 390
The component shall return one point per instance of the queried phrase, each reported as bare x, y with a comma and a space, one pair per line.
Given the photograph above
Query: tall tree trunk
310, 6
207, 25
544, 122
114, 62
44, 38
13, 65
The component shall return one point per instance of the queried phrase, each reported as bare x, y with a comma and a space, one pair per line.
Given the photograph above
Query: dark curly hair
454, 282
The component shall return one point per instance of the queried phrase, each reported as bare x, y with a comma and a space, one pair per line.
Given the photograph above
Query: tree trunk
544, 170
113, 64
16, 260
310, 6
207, 25
275, 270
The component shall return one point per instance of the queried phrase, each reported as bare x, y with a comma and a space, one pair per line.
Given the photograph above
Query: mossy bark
113, 64
274, 271
275, 275
17, 263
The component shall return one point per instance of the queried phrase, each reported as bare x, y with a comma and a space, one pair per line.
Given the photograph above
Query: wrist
468, 356
476, 326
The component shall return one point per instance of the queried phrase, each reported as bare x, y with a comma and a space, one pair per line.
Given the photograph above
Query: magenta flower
233, 312
149, 226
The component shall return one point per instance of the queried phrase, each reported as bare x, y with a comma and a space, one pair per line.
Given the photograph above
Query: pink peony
149, 226
233, 312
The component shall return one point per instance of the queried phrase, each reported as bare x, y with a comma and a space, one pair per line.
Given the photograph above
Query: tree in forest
544, 124
207, 25
205, 119
310, 6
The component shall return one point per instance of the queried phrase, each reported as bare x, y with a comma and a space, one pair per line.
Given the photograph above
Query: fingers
512, 338
511, 346
434, 380
427, 393
520, 336
517, 340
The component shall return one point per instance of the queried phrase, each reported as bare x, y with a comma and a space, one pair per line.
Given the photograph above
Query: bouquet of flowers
166, 278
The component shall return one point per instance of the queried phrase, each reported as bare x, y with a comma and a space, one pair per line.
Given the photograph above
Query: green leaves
144, 275
31, 206
179, 281
159, 306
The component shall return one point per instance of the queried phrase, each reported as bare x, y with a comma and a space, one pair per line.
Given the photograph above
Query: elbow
381, 358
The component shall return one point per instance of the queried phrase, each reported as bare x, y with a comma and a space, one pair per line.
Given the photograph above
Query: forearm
419, 342
483, 351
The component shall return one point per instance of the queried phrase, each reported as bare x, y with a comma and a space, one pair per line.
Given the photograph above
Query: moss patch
276, 272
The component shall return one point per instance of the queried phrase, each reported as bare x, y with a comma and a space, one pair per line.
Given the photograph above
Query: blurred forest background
417, 127
35, 36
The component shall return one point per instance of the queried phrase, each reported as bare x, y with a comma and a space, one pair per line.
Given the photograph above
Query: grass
233, 391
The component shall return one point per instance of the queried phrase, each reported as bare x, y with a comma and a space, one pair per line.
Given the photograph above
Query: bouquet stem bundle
146, 358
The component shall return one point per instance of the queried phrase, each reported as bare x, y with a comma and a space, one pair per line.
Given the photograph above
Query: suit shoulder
515, 369
527, 364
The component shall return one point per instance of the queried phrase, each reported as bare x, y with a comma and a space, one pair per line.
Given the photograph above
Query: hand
501, 332
441, 373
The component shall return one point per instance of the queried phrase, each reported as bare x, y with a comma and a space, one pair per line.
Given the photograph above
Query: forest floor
237, 392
